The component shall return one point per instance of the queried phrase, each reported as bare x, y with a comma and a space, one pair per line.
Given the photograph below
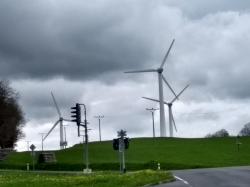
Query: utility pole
152, 110
42, 134
28, 145
99, 120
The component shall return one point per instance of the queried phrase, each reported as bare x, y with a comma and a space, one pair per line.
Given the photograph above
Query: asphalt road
216, 177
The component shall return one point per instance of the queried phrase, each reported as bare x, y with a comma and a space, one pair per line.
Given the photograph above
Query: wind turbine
170, 113
63, 142
161, 99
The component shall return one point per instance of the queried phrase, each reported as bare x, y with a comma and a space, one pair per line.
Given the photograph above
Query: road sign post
238, 143
33, 147
123, 144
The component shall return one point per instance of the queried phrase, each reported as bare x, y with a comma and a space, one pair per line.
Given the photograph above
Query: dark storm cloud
75, 40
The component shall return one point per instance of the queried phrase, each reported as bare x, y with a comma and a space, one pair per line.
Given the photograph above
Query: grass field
144, 153
100, 179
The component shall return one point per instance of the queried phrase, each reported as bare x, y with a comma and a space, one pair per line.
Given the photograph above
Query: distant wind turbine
170, 113
161, 99
63, 142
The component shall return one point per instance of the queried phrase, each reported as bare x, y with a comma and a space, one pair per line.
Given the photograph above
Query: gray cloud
196, 9
37, 102
97, 41
212, 55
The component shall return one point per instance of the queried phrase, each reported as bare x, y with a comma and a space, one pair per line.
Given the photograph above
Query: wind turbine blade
180, 93
57, 108
166, 56
173, 121
142, 71
165, 80
156, 100
51, 130
151, 99
67, 120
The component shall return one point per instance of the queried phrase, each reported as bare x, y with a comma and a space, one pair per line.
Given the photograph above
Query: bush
245, 131
220, 133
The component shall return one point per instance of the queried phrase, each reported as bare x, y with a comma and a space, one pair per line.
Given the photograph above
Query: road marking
185, 182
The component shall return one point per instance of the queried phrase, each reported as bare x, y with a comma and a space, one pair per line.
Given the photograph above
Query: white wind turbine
63, 143
170, 113
161, 99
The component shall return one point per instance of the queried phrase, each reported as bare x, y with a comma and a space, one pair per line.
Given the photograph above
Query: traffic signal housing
126, 143
116, 144
77, 114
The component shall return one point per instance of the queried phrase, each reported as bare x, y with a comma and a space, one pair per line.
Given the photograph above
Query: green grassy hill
171, 153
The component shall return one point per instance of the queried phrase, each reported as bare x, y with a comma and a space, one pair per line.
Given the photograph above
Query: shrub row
103, 166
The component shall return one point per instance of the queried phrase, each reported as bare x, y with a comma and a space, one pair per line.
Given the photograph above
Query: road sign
122, 133
32, 147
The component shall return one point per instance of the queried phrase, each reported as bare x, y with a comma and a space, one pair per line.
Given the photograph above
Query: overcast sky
80, 49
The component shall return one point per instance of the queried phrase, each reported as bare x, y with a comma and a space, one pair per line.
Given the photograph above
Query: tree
220, 133
245, 131
11, 116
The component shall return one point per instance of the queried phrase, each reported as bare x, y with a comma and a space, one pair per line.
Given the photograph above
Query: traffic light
77, 114
116, 144
126, 143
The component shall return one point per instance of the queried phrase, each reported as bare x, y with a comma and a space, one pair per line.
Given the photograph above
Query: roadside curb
160, 182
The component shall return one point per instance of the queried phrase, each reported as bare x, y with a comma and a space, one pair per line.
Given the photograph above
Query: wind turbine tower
63, 143
161, 78
170, 113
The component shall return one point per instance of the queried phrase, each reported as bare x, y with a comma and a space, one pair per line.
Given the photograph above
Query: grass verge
145, 153
99, 179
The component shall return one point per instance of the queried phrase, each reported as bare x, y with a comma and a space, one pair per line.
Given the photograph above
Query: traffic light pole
85, 125
77, 118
